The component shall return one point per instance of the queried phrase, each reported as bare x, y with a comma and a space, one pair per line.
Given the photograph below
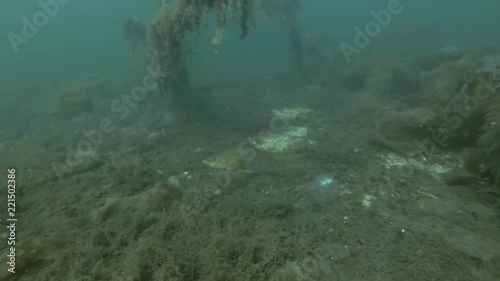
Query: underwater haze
280, 140
86, 36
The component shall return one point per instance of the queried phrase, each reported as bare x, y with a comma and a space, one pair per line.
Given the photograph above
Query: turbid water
279, 140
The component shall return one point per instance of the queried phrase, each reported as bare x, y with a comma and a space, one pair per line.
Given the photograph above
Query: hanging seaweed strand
173, 24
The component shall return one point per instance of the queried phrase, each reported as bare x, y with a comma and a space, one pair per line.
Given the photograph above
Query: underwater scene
242, 140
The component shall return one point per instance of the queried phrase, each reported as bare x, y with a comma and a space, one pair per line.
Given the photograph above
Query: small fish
226, 163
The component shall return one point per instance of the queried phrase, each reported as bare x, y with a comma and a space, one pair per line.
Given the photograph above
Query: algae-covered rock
380, 74
284, 135
443, 82
279, 141
489, 142
401, 130
405, 125
72, 102
79, 97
